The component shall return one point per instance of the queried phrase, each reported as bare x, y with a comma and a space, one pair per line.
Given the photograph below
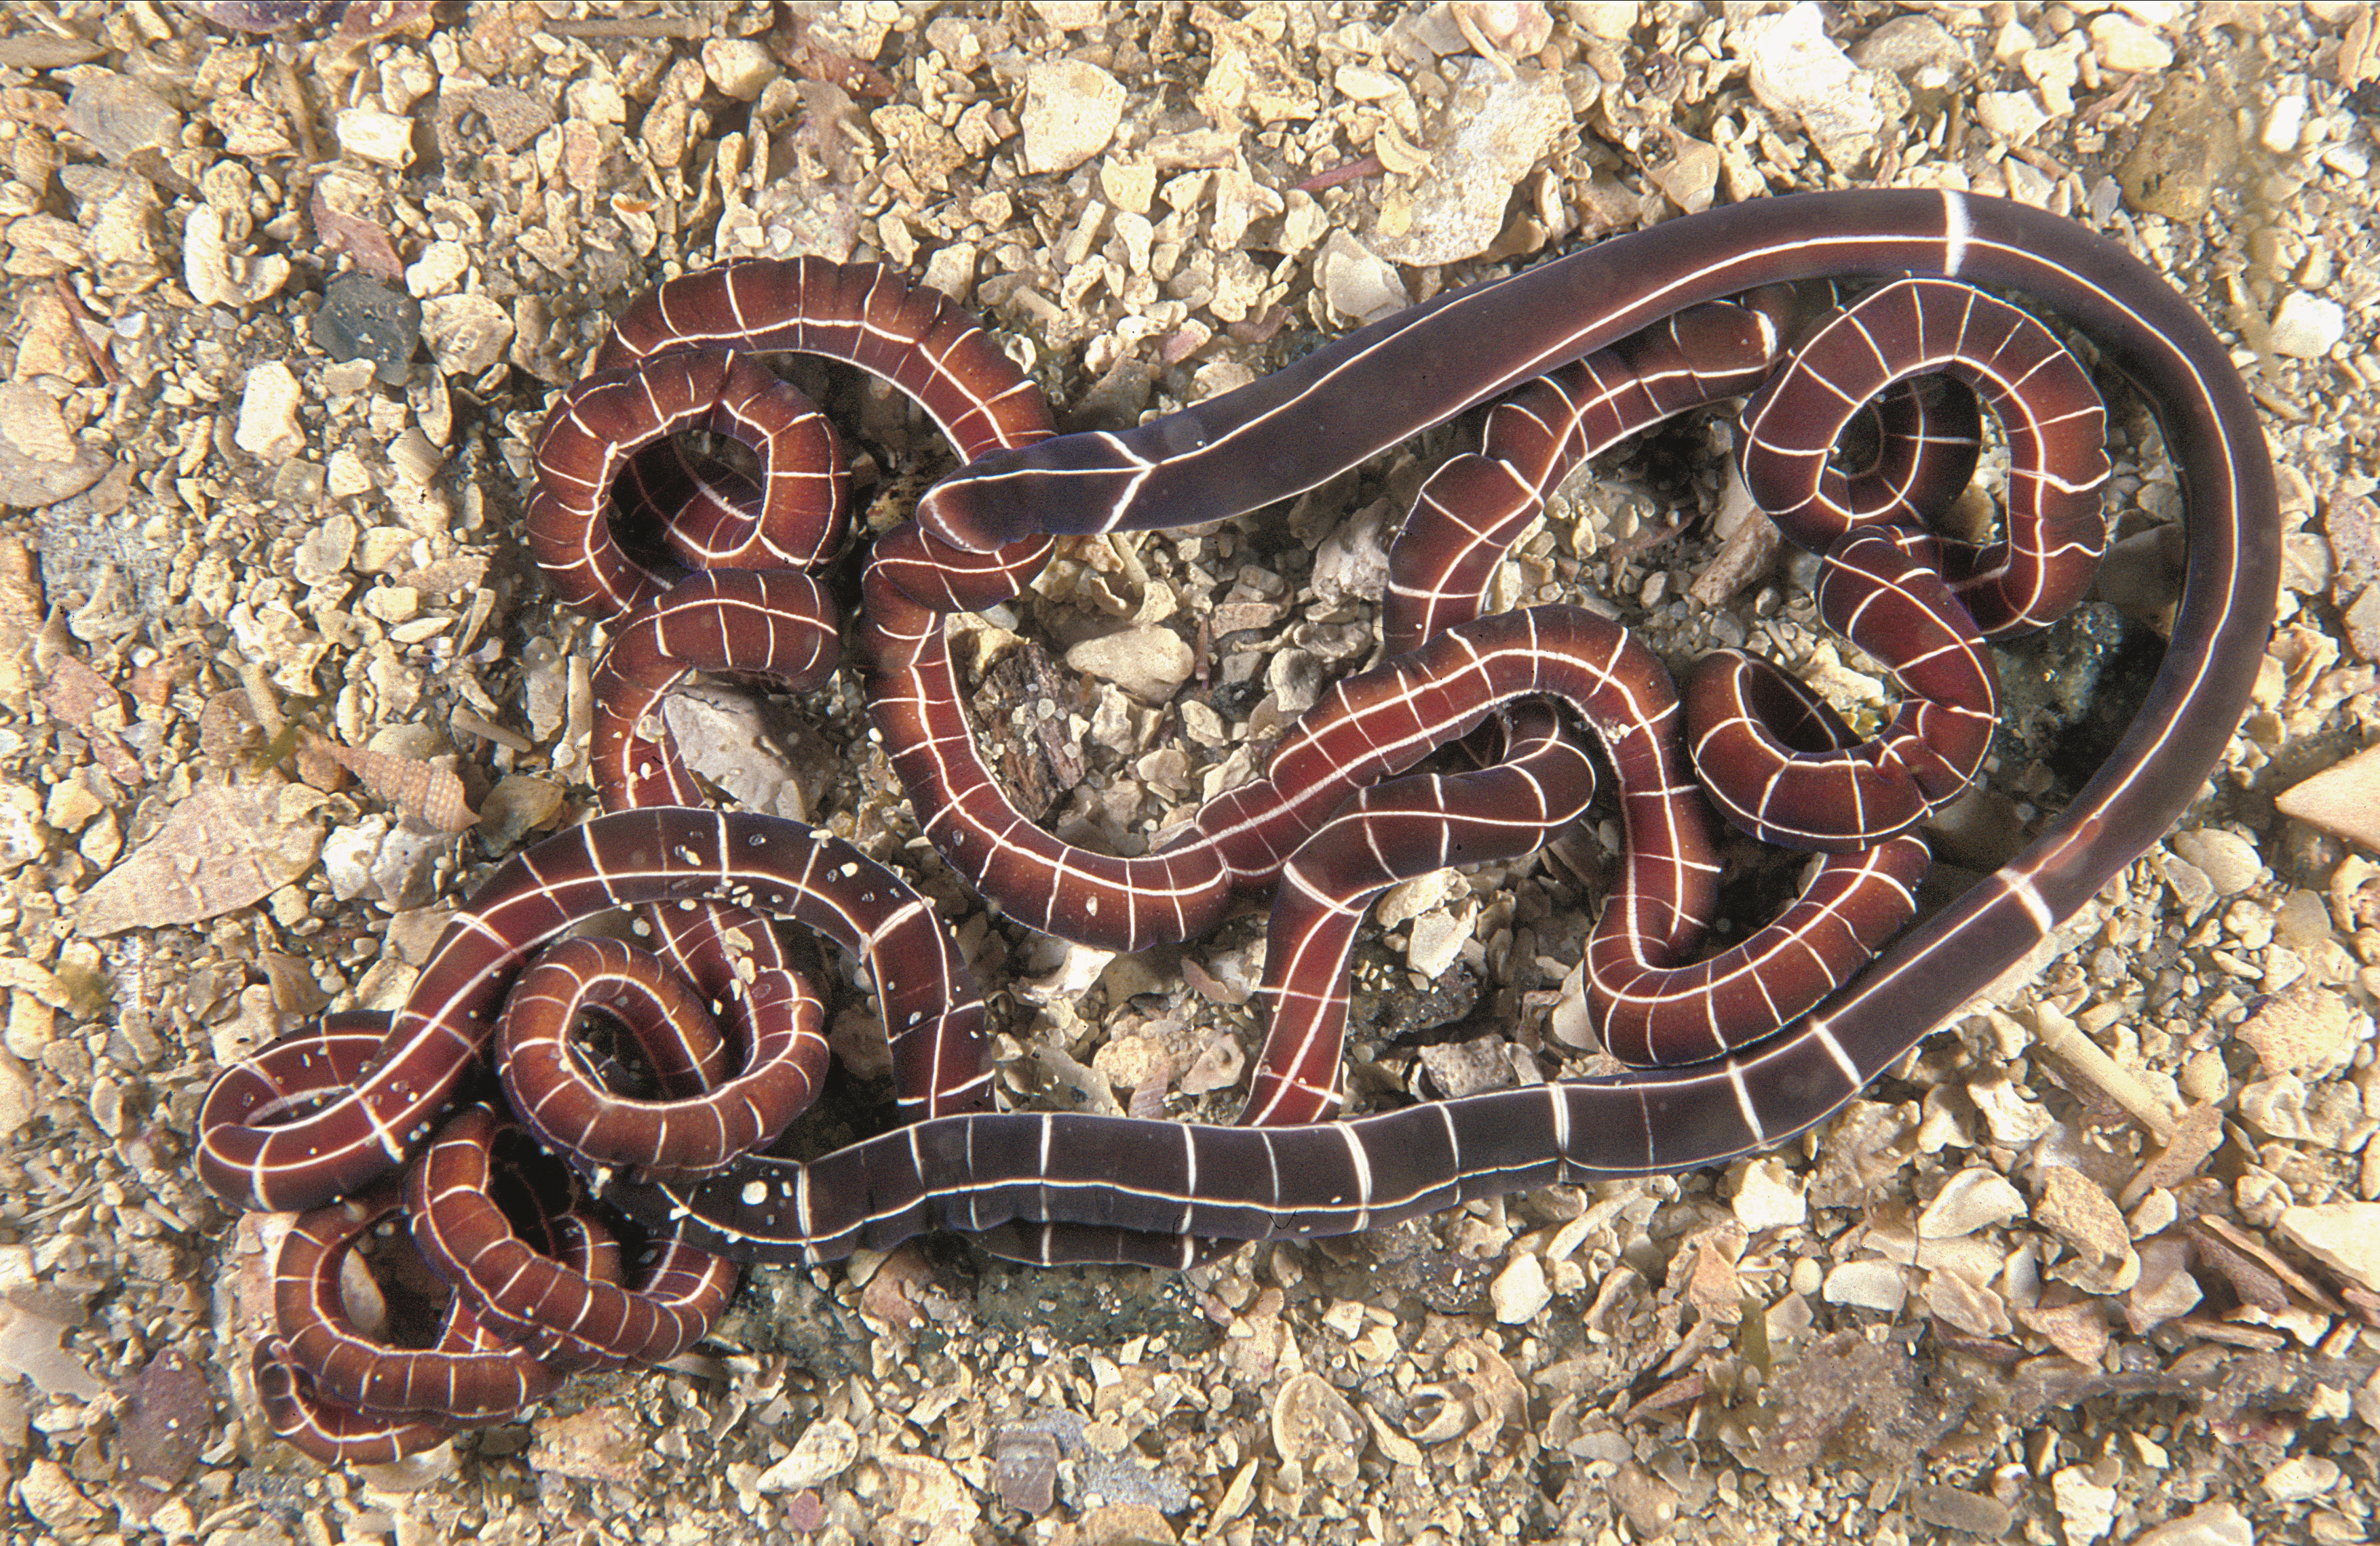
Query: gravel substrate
290, 288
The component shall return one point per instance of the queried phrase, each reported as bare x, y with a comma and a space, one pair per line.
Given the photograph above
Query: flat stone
465, 333
2306, 1029
1438, 939
2344, 1237
1960, 1301
41, 461
1495, 130
1967, 1513
2229, 860
2014, 116
1069, 15
1876, 1286
2300, 1476
1907, 43
1976, 1198
825, 1451
2188, 143
1148, 662
2218, 1524
1612, 20
2075, 1208
121, 117
362, 319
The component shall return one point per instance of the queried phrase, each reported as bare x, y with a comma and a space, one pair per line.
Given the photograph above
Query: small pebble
362, 319
268, 428
1520, 1290
1771, 1197
2167, 1291
1976, 1198
382, 139
1876, 1286
2307, 327
2218, 1524
2284, 125
740, 67
1148, 662
439, 270
1072, 108
2086, 1507
1358, 285
2125, 46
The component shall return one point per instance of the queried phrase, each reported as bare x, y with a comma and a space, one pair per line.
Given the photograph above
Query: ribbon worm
1592, 347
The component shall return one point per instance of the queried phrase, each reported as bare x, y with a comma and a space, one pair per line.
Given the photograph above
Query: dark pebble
362, 319
261, 15
167, 1421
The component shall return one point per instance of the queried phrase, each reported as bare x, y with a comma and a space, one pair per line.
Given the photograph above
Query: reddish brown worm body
459, 1378
570, 1111
1337, 814
553, 1307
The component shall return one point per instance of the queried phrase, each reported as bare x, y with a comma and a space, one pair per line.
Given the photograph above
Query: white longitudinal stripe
1190, 1191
